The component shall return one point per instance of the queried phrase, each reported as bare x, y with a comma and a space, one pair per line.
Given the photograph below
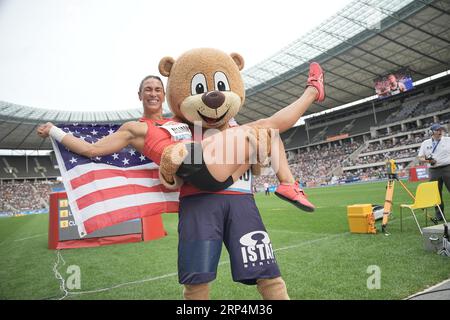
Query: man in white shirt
436, 152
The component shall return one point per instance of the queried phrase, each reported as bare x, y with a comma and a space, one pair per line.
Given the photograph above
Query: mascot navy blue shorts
207, 220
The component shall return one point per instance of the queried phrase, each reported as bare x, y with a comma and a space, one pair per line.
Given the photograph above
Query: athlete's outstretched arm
107, 145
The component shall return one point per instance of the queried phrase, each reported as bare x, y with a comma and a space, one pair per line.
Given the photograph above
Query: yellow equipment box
360, 218
360, 209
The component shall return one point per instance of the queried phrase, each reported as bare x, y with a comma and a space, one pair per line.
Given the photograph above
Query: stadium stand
25, 183
365, 40
367, 135
25, 196
340, 146
31, 167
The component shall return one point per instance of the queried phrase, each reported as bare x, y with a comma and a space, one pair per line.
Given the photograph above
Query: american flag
107, 190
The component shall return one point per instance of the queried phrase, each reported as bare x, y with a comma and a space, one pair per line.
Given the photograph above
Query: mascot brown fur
195, 78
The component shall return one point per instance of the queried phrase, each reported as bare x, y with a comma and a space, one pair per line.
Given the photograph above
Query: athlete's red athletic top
156, 139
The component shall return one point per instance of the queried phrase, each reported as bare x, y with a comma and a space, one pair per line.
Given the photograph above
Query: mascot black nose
213, 99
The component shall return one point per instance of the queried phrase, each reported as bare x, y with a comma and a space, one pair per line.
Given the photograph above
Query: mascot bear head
204, 86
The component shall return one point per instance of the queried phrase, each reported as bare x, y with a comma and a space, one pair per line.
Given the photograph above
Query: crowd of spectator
364, 174
382, 157
438, 104
389, 144
417, 106
315, 166
311, 167
17, 197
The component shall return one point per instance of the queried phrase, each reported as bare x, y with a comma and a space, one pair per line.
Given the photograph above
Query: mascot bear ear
165, 65
237, 58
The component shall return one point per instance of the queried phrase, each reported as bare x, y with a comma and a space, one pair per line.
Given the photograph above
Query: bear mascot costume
205, 90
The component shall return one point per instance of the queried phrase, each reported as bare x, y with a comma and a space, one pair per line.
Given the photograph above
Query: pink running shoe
315, 79
293, 194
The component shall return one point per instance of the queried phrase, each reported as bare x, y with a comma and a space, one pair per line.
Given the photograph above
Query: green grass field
318, 257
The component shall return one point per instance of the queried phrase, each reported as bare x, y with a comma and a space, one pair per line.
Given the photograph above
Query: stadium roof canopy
365, 40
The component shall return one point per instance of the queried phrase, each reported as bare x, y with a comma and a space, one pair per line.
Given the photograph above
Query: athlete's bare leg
229, 152
240, 163
280, 163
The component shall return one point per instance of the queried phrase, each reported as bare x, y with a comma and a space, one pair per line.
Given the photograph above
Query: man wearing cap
436, 152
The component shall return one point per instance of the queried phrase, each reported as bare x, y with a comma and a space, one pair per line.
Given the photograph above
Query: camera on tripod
391, 167
430, 159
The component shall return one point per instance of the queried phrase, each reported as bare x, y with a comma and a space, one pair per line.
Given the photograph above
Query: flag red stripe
114, 192
117, 216
112, 173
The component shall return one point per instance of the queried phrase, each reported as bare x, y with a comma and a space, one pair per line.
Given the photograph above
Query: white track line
312, 241
220, 263
124, 284
32, 237
427, 289
270, 231
73, 293
58, 276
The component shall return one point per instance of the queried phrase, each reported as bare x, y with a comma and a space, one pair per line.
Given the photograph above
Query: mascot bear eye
199, 88
198, 84
221, 82
221, 86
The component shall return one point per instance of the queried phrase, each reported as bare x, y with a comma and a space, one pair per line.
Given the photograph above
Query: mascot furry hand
205, 89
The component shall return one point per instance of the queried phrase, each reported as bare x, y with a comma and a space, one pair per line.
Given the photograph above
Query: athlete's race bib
178, 131
244, 184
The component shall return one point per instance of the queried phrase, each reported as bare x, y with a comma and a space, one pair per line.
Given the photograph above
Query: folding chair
427, 196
